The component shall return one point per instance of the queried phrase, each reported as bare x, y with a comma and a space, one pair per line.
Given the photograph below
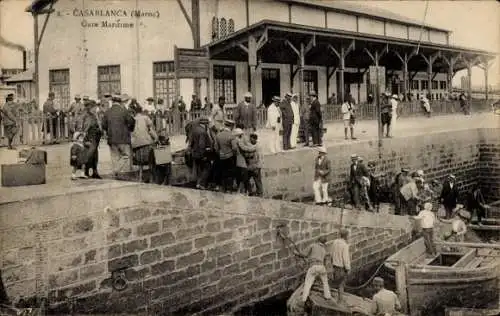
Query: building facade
94, 47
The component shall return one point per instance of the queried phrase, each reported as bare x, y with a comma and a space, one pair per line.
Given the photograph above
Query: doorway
270, 85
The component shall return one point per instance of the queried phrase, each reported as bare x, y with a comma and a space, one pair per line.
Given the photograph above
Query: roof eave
324, 7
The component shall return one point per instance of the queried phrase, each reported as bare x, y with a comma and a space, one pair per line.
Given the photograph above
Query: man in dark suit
118, 123
287, 120
449, 195
315, 120
357, 171
201, 144
245, 114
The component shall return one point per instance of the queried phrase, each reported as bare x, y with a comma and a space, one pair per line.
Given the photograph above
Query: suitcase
21, 174
33, 156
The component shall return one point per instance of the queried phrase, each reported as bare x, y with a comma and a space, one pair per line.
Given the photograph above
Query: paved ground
59, 171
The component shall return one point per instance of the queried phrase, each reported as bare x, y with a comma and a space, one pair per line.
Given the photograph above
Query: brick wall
489, 164
183, 251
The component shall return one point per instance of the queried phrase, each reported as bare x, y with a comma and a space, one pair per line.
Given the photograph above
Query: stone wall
181, 250
437, 154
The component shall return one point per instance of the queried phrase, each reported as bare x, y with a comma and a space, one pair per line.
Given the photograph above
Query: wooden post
341, 91
36, 53
429, 80
401, 286
302, 63
359, 87
195, 20
469, 78
252, 63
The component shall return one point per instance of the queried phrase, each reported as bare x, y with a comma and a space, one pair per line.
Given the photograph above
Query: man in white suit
274, 124
296, 120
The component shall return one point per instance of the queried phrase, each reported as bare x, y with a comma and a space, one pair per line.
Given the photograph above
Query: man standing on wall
119, 123
305, 111
449, 196
245, 114
341, 261
315, 119
8, 118
287, 120
296, 121
357, 172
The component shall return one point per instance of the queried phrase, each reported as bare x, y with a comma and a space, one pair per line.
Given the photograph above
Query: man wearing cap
411, 195
226, 164
76, 111
92, 136
449, 195
202, 147
274, 124
217, 113
386, 113
341, 261
427, 220
316, 254
296, 120
399, 181
315, 120
287, 120
119, 123
245, 114
458, 224
150, 106
348, 117
385, 302
8, 119
357, 172
50, 113
322, 177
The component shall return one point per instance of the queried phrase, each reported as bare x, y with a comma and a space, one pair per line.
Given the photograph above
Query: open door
270, 85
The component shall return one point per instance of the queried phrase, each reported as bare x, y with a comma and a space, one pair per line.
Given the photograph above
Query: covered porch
342, 60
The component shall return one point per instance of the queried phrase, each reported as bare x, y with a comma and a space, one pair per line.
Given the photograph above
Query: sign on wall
191, 63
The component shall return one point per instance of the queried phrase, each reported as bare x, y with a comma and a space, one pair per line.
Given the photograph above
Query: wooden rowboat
465, 278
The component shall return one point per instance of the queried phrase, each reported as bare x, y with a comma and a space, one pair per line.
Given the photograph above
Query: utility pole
35, 52
195, 20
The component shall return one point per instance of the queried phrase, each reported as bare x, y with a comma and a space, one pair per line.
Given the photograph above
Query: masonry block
92, 271
134, 246
119, 235
80, 226
163, 239
136, 214
62, 279
191, 259
178, 249
123, 262
148, 229
188, 233
163, 267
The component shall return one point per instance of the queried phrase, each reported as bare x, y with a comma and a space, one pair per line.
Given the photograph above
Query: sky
474, 24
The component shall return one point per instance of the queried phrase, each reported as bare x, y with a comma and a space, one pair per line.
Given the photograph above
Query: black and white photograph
250, 157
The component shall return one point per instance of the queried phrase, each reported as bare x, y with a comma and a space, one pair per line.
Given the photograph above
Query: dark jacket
48, 107
449, 196
315, 116
91, 128
200, 142
355, 175
286, 112
246, 116
322, 170
7, 114
118, 124
224, 142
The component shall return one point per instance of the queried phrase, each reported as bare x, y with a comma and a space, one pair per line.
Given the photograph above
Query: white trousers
294, 134
274, 141
320, 191
317, 270
393, 122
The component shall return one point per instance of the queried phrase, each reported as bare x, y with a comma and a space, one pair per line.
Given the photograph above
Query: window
21, 93
442, 85
108, 80
223, 28
414, 84
310, 81
225, 83
59, 84
164, 83
424, 84
434, 84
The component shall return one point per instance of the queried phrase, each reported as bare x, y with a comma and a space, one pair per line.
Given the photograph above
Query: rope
422, 26
298, 254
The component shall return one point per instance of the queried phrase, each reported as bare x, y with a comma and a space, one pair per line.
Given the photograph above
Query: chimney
24, 59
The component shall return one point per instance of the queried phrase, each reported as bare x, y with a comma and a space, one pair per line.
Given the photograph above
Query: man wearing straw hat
322, 176
274, 124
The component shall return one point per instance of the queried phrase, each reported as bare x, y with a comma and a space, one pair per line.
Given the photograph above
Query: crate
14, 175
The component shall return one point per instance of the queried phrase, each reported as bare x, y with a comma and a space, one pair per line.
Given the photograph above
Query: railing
39, 128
